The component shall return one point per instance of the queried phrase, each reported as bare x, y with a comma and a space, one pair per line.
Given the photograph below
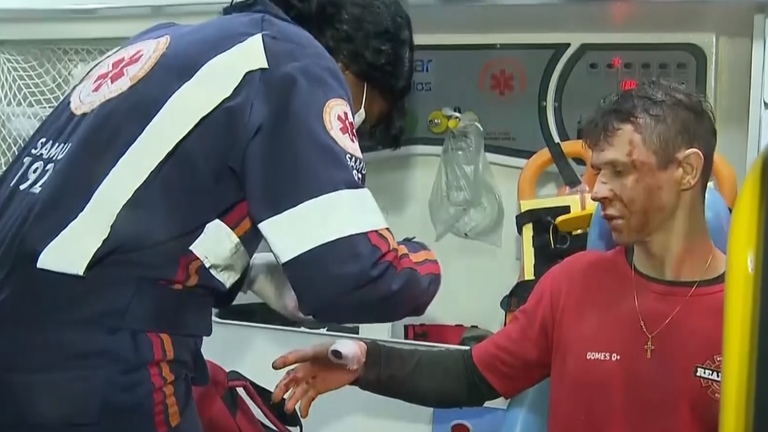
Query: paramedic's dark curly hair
669, 118
373, 40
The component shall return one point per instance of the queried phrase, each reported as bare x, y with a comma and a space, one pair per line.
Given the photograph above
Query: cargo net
33, 79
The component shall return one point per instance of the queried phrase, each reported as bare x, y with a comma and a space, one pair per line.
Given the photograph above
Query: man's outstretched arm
507, 363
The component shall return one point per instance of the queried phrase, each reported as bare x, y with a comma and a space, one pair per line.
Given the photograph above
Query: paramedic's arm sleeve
507, 363
325, 228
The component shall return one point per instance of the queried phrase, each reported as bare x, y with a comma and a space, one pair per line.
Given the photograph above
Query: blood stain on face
636, 195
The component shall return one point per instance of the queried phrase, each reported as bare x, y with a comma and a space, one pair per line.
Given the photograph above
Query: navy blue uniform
142, 197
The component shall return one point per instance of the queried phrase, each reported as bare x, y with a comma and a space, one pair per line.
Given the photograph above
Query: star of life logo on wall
340, 123
116, 74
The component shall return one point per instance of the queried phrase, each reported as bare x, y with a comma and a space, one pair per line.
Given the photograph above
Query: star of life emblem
116, 74
340, 123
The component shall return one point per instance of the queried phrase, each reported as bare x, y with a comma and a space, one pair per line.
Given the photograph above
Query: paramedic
632, 337
141, 197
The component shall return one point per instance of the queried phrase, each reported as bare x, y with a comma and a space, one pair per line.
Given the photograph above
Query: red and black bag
222, 408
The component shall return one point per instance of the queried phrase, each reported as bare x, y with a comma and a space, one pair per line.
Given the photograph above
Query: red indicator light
616, 62
628, 84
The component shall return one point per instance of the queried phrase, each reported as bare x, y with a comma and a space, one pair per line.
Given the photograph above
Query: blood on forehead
640, 158
624, 148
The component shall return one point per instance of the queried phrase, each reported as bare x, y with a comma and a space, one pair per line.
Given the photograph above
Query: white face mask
360, 115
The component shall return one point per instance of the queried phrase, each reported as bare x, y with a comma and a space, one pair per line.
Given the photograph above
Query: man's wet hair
668, 117
373, 40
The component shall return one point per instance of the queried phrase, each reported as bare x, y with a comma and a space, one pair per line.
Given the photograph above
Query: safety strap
550, 246
545, 214
262, 398
564, 168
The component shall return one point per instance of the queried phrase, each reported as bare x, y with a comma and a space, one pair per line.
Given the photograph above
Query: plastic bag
464, 199
267, 280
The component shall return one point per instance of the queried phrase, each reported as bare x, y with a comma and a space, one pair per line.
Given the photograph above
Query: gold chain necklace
649, 345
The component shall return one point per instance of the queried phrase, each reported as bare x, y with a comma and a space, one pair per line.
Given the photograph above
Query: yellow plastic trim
742, 300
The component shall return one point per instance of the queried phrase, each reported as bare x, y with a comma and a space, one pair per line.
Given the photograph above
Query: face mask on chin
360, 115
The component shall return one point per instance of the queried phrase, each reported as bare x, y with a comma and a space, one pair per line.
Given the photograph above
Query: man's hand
319, 369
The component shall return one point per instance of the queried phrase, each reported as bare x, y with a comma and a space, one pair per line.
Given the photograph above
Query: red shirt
580, 327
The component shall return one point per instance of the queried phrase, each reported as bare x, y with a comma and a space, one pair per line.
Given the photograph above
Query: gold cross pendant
648, 348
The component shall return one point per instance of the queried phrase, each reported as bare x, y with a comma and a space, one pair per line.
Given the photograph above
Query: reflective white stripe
221, 252
322, 220
72, 250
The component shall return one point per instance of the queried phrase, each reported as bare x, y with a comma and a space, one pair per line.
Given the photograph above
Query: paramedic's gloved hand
267, 280
319, 369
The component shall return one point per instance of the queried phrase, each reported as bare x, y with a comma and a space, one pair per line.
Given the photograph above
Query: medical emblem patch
340, 123
116, 74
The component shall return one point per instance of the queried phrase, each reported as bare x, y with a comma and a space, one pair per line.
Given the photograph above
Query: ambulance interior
529, 71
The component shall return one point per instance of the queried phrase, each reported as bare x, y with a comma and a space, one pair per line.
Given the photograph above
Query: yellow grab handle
575, 221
